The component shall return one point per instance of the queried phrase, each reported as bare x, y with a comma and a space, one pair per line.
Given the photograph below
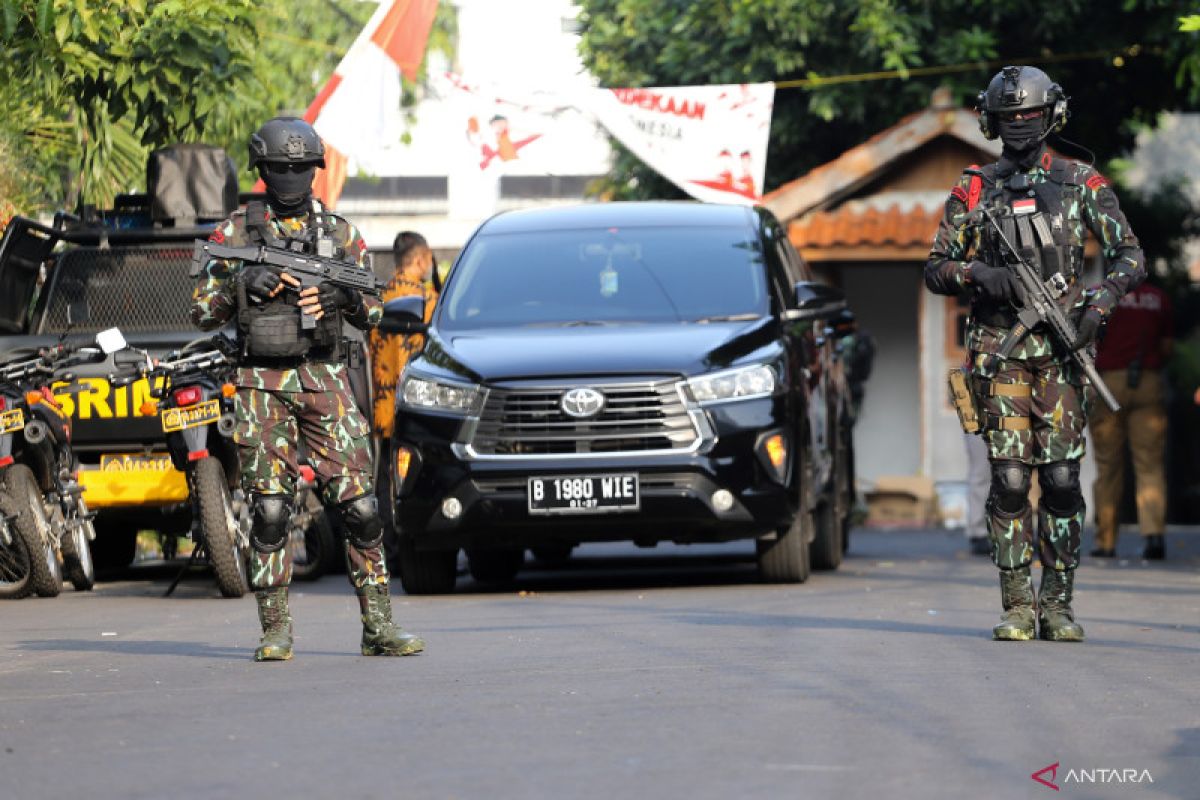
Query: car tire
826, 550
426, 571
495, 564
785, 558
218, 526
115, 544
30, 523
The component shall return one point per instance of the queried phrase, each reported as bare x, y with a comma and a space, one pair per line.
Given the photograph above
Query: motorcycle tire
218, 526
14, 562
77, 552
30, 523
314, 548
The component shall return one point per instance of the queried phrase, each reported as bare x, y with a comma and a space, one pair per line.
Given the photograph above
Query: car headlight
734, 384
431, 395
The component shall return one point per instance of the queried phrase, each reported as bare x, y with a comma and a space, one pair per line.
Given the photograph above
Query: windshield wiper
727, 318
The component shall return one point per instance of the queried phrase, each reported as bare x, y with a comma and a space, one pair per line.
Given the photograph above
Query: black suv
638, 372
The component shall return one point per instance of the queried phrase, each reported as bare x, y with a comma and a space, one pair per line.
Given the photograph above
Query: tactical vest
1034, 218
271, 331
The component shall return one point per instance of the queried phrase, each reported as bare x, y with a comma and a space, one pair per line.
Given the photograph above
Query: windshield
607, 276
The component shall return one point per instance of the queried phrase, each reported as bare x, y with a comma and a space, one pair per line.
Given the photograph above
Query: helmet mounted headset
1021, 89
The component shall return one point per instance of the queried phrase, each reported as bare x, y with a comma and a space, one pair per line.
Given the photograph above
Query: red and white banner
357, 112
710, 141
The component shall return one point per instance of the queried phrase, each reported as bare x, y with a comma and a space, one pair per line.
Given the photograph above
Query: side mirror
111, 341
404, 315
815, 301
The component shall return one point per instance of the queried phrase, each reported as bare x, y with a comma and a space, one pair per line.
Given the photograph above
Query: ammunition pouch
963, 399
273, 330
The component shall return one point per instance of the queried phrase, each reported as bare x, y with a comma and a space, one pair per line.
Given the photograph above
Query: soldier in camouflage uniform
1033, 403
293, 387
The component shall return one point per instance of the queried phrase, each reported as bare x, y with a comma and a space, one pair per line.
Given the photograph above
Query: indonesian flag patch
1026, 206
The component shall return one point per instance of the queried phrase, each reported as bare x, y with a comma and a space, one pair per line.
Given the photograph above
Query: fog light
722, 500
777, 451
451, 508
772, 452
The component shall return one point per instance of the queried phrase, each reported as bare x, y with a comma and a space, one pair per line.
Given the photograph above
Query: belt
287, 362
996, 389
995, 422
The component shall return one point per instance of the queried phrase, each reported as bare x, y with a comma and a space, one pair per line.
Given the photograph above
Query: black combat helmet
286, 140
1021, 89
287, 151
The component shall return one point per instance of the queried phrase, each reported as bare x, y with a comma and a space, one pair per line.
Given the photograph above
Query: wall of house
885, 297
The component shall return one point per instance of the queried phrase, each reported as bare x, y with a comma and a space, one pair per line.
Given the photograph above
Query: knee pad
364, 529
272, 512
1061, 494
1010, 486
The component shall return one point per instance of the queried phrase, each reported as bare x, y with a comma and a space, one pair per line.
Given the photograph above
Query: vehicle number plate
12, 421
135, 462
584, 494
176, 419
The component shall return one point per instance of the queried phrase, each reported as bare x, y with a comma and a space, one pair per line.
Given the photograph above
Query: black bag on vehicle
191, 182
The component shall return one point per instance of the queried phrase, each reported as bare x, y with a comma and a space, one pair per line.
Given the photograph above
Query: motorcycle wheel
218, 526
30, 524
77, 552
310, 538
14, 563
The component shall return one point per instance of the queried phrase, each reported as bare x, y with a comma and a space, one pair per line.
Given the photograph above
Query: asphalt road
633, 674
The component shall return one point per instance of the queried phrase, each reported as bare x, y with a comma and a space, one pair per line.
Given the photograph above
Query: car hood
651, 349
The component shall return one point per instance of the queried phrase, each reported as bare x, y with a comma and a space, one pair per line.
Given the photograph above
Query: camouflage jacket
1084, 202
214, 301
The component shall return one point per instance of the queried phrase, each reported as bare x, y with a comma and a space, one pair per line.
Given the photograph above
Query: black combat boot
276, 644
1016, 592
1056, 620
381, 636
1155, 548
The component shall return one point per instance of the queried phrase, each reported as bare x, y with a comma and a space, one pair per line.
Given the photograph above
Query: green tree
88, 87
1135, 49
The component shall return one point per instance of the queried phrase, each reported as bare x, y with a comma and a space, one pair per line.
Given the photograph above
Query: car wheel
785, 558
115, 543
495, 564
426, 571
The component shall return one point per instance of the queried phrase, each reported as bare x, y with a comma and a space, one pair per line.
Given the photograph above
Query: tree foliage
88, 87
1118, 61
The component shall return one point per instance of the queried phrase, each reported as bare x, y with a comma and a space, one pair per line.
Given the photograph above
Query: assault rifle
1040, 305
310, 270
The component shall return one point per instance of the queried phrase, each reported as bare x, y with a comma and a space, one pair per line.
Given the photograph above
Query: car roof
644, 214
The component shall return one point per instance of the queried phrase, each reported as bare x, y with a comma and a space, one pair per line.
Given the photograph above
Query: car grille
636, 417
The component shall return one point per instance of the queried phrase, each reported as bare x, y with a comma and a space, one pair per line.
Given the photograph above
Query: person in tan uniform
1130, 359
390, 352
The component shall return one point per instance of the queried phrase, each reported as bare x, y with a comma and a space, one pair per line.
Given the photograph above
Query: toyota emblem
582, 402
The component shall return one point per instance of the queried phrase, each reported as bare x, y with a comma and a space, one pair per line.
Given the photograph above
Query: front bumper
675, 489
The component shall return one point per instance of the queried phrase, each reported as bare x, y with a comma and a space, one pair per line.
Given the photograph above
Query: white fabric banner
710, 141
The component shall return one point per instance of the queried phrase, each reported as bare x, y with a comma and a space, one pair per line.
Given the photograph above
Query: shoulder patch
959, 193
1097, 182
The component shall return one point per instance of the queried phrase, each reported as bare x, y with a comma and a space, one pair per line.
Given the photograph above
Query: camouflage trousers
364, 567
1034, 411
307, 415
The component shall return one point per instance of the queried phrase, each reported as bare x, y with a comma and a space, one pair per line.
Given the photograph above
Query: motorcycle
195, 401
43, 515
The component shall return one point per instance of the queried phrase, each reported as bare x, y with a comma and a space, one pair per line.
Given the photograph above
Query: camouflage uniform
1034, 403
278, 408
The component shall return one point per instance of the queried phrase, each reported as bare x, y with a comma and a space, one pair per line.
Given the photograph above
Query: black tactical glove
332, 298
1088, 328
996, 283
260, 282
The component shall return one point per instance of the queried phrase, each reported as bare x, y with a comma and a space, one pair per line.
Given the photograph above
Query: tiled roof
855, 226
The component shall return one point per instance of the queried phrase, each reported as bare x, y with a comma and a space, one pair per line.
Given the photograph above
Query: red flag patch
1097, 181
1026, 206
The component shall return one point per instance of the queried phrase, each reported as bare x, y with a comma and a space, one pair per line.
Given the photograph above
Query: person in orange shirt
390, 352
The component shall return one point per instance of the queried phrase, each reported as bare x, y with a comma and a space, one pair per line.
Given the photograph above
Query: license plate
176, 419
12, 421
135, 462
584, 494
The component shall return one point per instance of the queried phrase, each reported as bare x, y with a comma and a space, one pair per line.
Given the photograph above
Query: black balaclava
1022, 140
289, 191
